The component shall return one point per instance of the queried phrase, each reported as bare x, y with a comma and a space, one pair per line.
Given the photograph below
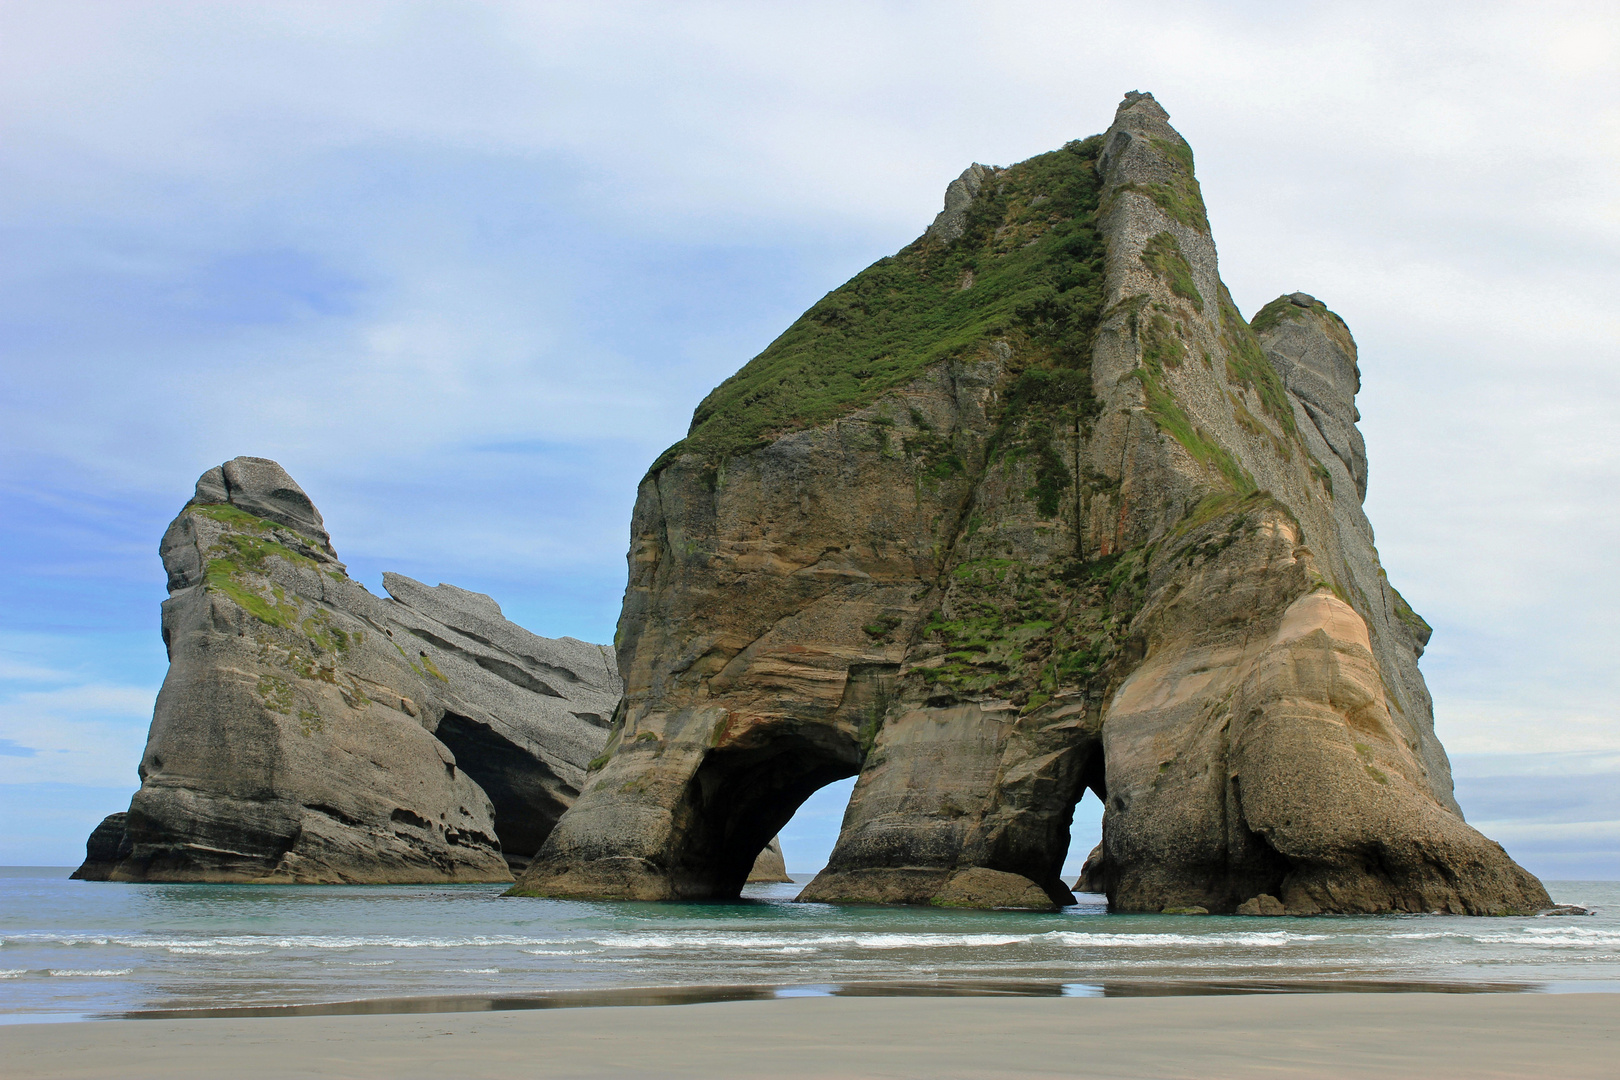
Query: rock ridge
309, 731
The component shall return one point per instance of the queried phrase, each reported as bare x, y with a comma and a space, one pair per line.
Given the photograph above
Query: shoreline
1326, 1035
661, 996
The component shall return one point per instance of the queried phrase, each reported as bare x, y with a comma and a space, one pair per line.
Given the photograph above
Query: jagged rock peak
1314, 352
1143, 153
959, 195
261, 487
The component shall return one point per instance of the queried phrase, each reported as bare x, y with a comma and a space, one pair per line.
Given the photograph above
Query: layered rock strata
310, 731
1025, 511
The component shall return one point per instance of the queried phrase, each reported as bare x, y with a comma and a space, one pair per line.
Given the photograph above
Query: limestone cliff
1023, 511
310, 731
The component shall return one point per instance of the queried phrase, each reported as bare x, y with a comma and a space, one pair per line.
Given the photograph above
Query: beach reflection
85, 948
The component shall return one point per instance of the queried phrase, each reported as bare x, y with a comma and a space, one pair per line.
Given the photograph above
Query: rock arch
1093, 528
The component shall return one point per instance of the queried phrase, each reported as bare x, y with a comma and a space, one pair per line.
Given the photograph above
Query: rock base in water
1025, 511
309, 731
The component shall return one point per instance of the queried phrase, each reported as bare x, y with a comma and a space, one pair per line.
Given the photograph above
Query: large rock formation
310, 731
1024, 511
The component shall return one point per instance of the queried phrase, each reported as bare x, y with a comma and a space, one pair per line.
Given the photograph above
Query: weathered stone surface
978, 887
310, 731
1263, 904
1312, 350
1111, 539
770, 867
1092, 879
101, 850
950, 223
523, 714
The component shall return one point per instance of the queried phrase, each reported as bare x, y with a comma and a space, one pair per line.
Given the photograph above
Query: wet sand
1433, 1036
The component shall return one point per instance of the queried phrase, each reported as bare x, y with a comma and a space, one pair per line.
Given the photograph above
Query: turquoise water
70, 948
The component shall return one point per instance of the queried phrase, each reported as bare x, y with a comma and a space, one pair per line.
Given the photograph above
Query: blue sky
466, 269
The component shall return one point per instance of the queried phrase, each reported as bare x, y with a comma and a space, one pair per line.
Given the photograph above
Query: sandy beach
1435, 1036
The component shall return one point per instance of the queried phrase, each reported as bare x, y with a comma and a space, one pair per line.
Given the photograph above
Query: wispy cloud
85, 734
466, 271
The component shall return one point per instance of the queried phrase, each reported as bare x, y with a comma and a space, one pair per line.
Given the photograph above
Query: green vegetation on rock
1180, 196
236, 557
1285, 309
1164, 257
1409, 618
276, 693
1028, 270
1276, 313
1033, 630
1247, 366
227, 514
1161, 348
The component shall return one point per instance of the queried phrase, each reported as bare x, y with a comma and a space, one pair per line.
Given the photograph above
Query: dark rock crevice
740, 798
527, 795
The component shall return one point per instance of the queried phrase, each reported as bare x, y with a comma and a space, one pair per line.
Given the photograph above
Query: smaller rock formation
1092, 879
309, 731
951, 222
1264, 904
770, 867
1316, 358
101, 850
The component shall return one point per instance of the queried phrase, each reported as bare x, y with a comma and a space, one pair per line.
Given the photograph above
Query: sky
465, 269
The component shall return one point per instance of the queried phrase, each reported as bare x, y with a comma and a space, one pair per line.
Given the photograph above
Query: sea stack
308, 731
1027, 510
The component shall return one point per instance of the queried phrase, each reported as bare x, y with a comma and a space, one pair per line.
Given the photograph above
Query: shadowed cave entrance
528, 797
742, 795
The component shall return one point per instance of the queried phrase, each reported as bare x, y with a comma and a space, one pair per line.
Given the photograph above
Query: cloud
466, 270
69, 730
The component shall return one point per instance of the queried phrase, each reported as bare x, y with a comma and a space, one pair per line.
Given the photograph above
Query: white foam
700, 939
100, 973
290, 941
1266, 939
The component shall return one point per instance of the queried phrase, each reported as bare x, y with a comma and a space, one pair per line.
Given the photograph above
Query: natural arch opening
1078, 823
1082, 864
811, 834
742, 796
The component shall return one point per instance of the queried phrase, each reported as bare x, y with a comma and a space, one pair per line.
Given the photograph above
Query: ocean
74, 950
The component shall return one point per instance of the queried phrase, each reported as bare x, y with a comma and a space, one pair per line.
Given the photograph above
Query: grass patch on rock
1163, 256
1028, 269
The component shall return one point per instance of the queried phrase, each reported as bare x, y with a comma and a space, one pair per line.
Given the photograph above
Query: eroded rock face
770, 867
102, 849
310, 731
1036, 513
